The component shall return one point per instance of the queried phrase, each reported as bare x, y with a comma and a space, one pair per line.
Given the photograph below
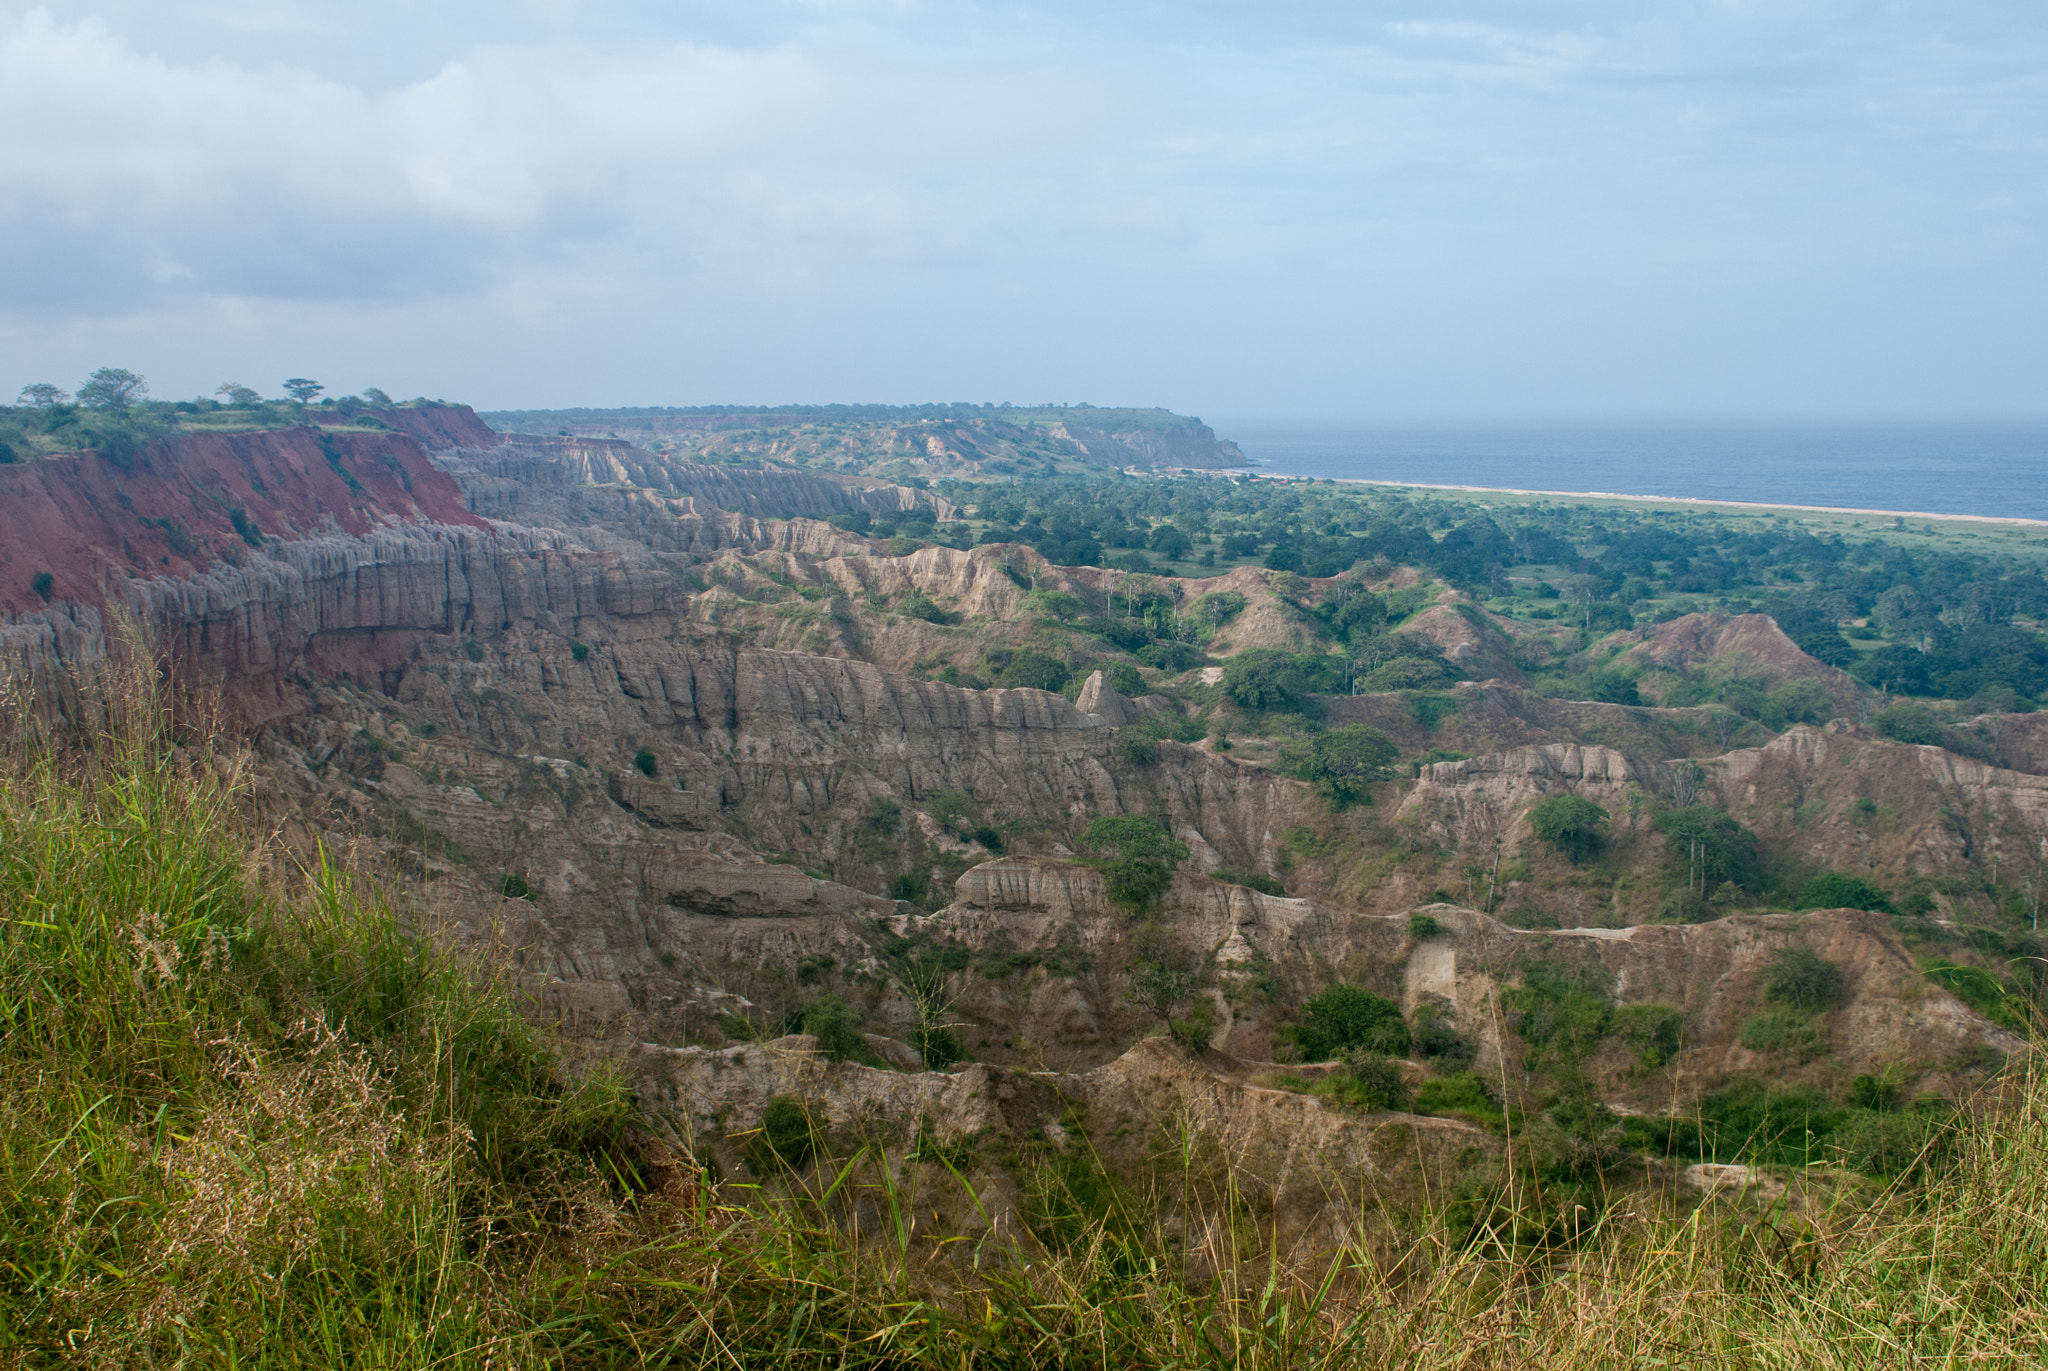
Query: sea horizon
1989, 469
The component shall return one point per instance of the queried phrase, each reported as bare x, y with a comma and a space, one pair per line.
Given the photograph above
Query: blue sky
1366, 210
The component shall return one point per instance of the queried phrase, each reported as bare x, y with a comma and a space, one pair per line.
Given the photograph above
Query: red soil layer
88, 520
434, 427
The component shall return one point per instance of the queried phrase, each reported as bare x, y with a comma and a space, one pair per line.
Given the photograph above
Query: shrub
42, 583
1249, 878
1891, 1144
787, 1138
1143, 856
1571, 825
1342, 762
515, 887
1908, 723
1652, 1030
1685, 907
1345, 1018
1802, 978
838, 1027
579, 651
1784, 1033
1124, 679
1433, 1038
644, 761
1367, 1081
1423, 926
1031, 670
1560, 1010
1834, 890
1265, 679
1196, 1029
1217, 608
1135, 749
1464, 1094
1709, 847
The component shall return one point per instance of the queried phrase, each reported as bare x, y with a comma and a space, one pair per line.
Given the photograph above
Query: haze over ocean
1989, 468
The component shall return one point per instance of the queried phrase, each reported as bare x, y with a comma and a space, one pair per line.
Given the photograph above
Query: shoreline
1692, 500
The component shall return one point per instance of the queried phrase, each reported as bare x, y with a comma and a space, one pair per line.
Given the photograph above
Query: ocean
1995, 469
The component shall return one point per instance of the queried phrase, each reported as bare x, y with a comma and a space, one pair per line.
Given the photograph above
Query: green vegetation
1347, 1019
1141, 857
1575, 827
1834, 890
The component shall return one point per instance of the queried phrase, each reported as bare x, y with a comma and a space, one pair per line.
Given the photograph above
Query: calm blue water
1986, 468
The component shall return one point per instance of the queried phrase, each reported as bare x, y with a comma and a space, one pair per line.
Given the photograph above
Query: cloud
127, 181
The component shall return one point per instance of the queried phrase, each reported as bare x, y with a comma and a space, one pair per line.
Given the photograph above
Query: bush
1249, 878
1782, 1032
1834, 890
1423, 926
787, 1138
1196, 1029
1802, 978
579, 651
1571, 825
1031, 670
1432, 1037
514, 887
1342, 762
1652, 1030
1709, 847
644, 761
838, 1027
1265, 679
1124, 679
1464, 1094
1142, 860
1685, 907
1367, 1081
1909, 723
42, 583
1344, 1019
1892, 1144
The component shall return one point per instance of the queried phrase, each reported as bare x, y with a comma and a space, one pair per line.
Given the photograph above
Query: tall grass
247, 1121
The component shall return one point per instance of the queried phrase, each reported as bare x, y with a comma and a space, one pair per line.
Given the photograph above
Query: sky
1288, 210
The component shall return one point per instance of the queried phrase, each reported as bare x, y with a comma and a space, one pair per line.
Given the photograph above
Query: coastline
1688, 501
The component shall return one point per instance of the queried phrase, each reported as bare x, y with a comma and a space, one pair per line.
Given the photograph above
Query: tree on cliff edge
113, 389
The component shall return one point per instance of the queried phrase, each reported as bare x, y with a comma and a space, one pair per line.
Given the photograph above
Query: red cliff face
88, 521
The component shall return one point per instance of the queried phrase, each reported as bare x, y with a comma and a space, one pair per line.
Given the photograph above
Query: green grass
249, 1117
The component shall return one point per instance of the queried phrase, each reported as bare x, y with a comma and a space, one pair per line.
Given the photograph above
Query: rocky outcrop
1187, 444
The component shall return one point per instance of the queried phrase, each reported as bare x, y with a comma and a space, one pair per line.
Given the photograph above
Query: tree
1143, 856
1713, 847
1265, 678
1833, 890
113, 389
1344, 761
238, 395
1171, 543
1570, 824
376, 397
1061, 605
1159, 986
1803, 978
302, 390
42, 395
1345, 1019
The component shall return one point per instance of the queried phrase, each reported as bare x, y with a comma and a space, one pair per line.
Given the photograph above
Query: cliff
92, 522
